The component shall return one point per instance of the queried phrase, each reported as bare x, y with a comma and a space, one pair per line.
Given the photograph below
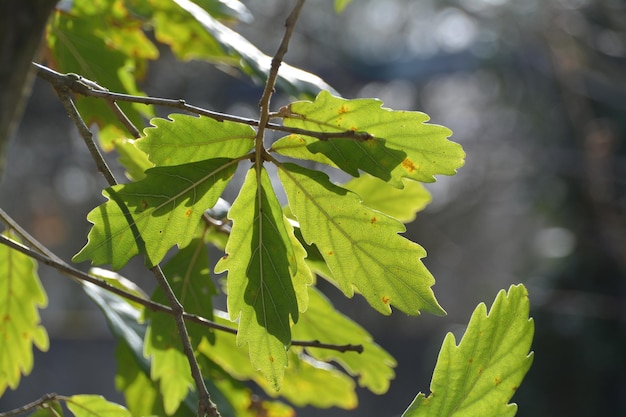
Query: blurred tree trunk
22, 24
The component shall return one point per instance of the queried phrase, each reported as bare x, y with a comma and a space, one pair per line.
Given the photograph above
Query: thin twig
54, 261
264, 103
205, 405
85, 133
41, 402
82, 86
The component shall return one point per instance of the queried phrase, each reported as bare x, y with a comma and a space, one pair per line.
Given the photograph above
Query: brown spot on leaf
188, 212
408, 165
374, 220
354, 128
385, 299
330, 252
497, 380
271, 359
343, 109
143, 205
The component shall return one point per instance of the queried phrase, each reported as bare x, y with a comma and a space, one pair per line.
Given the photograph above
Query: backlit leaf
188, 275
361, 246
401, 204
152, 215
261, 262
182, 139
134, 160
21, 295
403, 145
374, 366
480, 375
249, 58
103, 42
94, 406
306, 381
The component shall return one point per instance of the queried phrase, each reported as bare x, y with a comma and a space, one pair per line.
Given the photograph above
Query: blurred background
535, 91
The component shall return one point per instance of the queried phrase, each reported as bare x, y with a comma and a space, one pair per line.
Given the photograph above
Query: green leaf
244, 54
104, 43
48, 409
120, 282
379, 195
374, 366
361, 246
182, 139
188, 274
238, 399
94, 406
480, 375
261, 264
21, 294
122, 317
402, 145
141, 394
169, 364
134, 160
318, 384
306, 381
340, 5
152, 215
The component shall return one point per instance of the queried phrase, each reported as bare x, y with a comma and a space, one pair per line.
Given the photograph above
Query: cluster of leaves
348, 234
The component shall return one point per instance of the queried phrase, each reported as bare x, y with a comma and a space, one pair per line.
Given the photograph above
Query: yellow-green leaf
152, 215
306, 381
480, 375
261, 263
182, 139
374, 366
21, 294
361, 246
402, 144
94, 406
401, 203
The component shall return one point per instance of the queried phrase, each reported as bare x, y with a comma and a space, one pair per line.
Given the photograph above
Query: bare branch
40, 403
54, 261
83, 86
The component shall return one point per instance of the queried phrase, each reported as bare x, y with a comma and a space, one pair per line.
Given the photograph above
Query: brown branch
61, 86
83, 86
55, 262
41, 402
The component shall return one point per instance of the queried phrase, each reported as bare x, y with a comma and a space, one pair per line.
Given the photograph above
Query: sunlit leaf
361, 246
152, 215
169, 364
306, 382
21, 295
480, 375
402, 145
104, 43
401, 204
94, 406
182, 139
238, 399
141, 394
245, 55
188, 275
134, 160
261, 262
374, 366
120, 282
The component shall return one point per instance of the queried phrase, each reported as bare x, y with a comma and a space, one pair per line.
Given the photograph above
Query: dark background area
535, 91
